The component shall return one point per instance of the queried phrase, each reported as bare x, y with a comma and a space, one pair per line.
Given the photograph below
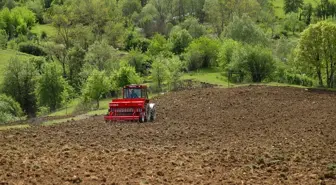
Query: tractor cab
135, 91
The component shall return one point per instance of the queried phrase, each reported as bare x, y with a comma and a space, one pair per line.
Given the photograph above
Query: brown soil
248, 135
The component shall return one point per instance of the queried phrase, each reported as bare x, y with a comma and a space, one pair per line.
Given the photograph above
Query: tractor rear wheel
153, 115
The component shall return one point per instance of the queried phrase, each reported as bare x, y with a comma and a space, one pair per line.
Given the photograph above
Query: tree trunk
319, 74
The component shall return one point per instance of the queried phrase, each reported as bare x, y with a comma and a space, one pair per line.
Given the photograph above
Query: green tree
50, 87
76, 62
96, 86
316, 47
129, 7
126, 75
292, 22
194, 28
115, 34
139, 61
19, 83
202, 53
226, 51
307, 12
99, 54
180, 39
255, 61
246, 31
159, 73
158, 45
292, 5
174, 72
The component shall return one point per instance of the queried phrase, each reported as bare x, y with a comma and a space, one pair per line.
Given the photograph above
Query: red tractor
134, 106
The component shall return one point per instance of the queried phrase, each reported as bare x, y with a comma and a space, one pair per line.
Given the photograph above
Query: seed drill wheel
142, 118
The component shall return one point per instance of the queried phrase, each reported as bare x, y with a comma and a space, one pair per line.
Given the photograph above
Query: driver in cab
132, 94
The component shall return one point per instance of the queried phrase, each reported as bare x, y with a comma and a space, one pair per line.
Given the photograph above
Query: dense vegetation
93, 47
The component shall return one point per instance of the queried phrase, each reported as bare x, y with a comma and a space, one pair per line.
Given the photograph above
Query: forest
55, 51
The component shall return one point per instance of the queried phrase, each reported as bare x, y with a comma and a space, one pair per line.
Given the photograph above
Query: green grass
49, 29
9, 127
6, 55
59, 121
211, 76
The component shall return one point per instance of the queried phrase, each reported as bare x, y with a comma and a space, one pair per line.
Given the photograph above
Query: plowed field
248, 135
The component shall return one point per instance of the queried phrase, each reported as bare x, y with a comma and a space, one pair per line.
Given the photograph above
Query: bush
255, 61
10, 110
202, 53
298, 79
32, 49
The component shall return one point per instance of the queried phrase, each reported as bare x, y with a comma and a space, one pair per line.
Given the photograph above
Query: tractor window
132, 93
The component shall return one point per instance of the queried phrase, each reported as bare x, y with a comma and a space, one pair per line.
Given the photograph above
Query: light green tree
159, 73
245, 30
126, 75
96, 86
316, 48
174, 72
50, 87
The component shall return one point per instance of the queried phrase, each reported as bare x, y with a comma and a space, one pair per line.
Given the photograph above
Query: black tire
153, 115
142, 118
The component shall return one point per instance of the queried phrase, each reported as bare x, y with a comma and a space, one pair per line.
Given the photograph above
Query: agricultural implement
134, 106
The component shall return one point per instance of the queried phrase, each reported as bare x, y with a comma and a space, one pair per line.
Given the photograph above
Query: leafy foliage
246, 31
126, 75
316, 49
96, 86
19, 83
180, 39
50, 87
10, 110
202, 53
255, 61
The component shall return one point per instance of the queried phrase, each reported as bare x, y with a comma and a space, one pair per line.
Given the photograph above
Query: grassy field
49, 29
211, 76
3, 127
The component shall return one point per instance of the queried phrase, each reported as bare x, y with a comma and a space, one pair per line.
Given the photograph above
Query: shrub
202, 53
255, 61
10, 110
32, 49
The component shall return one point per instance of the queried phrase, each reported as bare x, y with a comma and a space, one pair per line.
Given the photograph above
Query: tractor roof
133, 86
